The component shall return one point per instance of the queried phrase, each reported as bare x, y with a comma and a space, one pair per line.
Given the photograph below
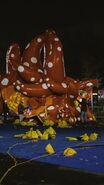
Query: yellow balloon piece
69, 152
44, 136
85, 137
49, 149
93, 136
71, 138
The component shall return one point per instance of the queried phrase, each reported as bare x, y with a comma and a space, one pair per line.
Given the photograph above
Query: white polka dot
18, 87
12, 55
18, 82
5, 81
27, 46
64, 85
25, 93
52, 85
39, 40
51, 107
75, 81
34, 60
40, 71
50, 52
42, 114
62, 115
14, 83
41, 80
30, 113
47, 79
22, 85
50, 64
89, 84
32, 79
80, 99
45, 72
58, 116
20, 69
59, 48
78, 109
78, 118
66, 105
44, 86
71, 96
56, 39
48, 85
26, 64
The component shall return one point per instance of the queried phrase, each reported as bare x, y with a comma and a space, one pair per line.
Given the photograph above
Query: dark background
81, 31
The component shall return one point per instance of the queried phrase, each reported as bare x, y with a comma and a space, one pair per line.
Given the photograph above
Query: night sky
81, 31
